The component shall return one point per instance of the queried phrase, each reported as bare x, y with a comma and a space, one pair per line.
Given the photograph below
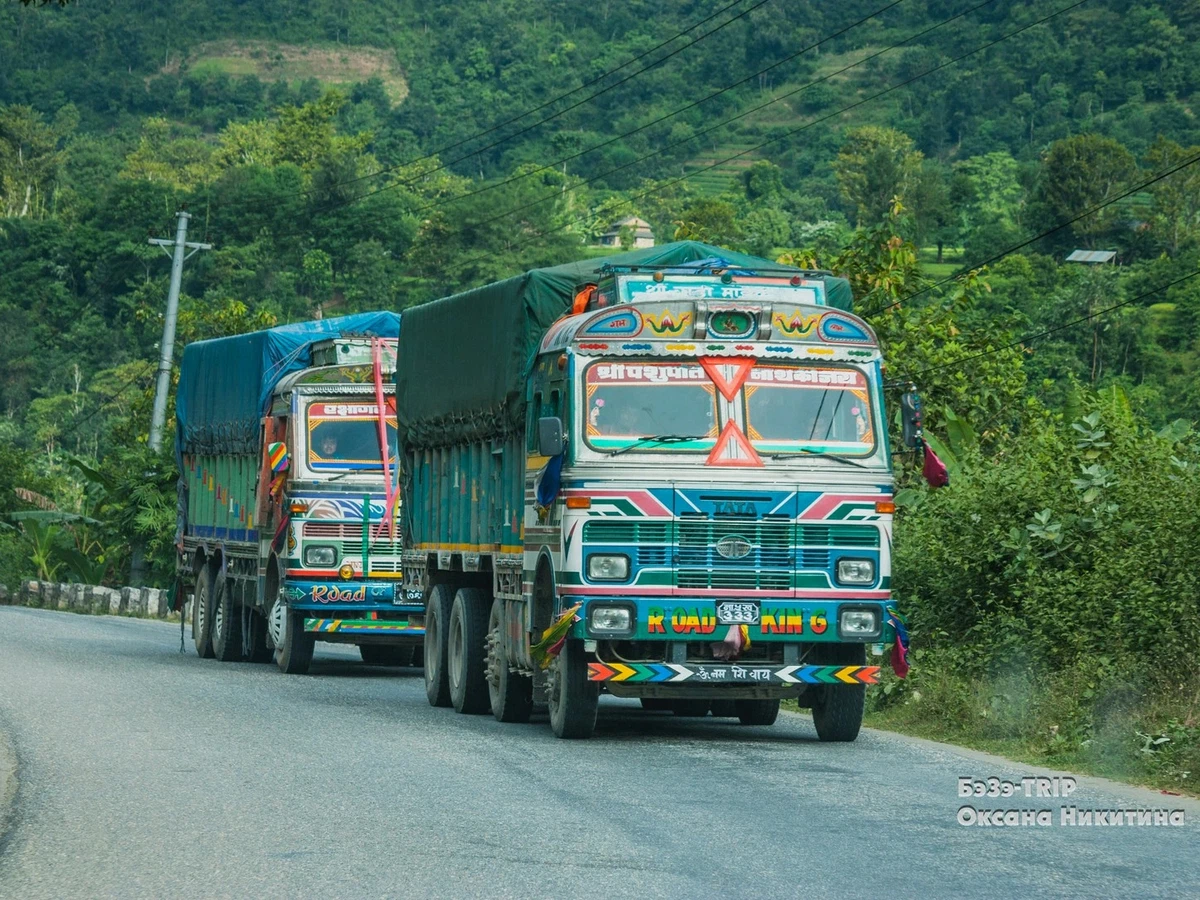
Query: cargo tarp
225, 384
463, 359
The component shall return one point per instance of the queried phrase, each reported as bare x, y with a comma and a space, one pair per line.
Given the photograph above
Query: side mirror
550, 436
278, 457
910, 418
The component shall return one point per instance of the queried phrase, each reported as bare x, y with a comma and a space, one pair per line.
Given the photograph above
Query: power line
1029, 338
695, 103
544, 120
991, 259
785, 135
554, 100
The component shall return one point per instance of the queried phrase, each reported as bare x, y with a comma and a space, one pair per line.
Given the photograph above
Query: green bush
1076, 540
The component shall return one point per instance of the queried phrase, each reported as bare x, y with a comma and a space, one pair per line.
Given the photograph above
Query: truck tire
385, 654
757, 712
573, 699
691, 709
202, 606
837, 709
437, 622
466, 652
226, 621
511, 693
293, 645
656, 704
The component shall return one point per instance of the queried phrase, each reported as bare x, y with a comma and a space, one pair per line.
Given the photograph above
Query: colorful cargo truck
287, 531
664, 474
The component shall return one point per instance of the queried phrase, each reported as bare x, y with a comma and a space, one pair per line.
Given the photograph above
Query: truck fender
544, 602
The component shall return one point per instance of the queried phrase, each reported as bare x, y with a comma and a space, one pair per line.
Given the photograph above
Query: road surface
147, 773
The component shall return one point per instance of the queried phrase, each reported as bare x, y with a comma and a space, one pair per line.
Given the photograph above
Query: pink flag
934, 470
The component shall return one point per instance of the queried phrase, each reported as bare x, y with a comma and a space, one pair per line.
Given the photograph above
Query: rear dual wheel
226, 620
468, 638
510, 693
202, 608
437, 622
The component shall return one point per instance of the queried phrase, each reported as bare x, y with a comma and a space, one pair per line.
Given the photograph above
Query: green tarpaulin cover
463, 359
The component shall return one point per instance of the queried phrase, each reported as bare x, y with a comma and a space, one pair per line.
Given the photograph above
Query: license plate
738, 612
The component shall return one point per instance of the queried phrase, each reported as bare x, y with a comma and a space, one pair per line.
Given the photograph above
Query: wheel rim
201, 618
278, 623
432, 645
495, 656
219, 623
456, 651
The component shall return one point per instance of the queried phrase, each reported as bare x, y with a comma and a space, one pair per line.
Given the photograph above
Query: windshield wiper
804, 450
657, 439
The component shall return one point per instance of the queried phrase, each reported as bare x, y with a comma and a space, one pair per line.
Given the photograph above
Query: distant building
642, 235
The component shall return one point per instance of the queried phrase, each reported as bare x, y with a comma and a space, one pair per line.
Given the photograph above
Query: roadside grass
1146, 735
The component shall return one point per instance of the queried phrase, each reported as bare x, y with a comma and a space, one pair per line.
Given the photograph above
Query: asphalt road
146, 773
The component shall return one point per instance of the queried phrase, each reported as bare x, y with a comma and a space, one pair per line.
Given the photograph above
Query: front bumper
730, 673
688, 619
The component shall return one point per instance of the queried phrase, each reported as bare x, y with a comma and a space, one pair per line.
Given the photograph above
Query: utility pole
167, 347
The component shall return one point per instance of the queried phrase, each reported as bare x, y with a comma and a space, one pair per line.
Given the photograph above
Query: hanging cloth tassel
900, 647
934, 469
553, 638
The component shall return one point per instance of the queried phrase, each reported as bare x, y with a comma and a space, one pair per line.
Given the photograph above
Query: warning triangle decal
732, 449
727, 374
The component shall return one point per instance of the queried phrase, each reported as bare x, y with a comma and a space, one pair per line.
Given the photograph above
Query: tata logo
733, 508
734, 546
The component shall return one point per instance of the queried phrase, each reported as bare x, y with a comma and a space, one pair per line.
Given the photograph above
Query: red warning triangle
727, 374
732, 449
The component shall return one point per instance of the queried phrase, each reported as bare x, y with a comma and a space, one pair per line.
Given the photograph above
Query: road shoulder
976, 762
8, 785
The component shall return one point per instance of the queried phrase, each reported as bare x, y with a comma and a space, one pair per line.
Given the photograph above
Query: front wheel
293, 645
837, 709
573, 699
511, 693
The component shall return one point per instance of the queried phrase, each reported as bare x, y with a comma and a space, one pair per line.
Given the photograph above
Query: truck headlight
605, 567
609, 620
324, 557
860, 624
855, 571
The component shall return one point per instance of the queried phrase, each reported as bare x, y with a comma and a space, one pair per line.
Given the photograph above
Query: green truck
287, 527
663, 474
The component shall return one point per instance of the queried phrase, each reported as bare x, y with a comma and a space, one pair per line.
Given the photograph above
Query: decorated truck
664, 475
288, 523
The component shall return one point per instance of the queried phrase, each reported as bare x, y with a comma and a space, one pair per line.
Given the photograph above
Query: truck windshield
790, 409
626, 401
345, 436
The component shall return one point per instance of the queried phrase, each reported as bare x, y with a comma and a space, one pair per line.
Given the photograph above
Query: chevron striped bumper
675, 673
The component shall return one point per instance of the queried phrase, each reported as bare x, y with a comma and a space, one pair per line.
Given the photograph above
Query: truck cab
720, 528
336, 566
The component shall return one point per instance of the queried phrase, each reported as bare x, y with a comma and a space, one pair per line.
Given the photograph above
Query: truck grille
778, 547
346, 537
